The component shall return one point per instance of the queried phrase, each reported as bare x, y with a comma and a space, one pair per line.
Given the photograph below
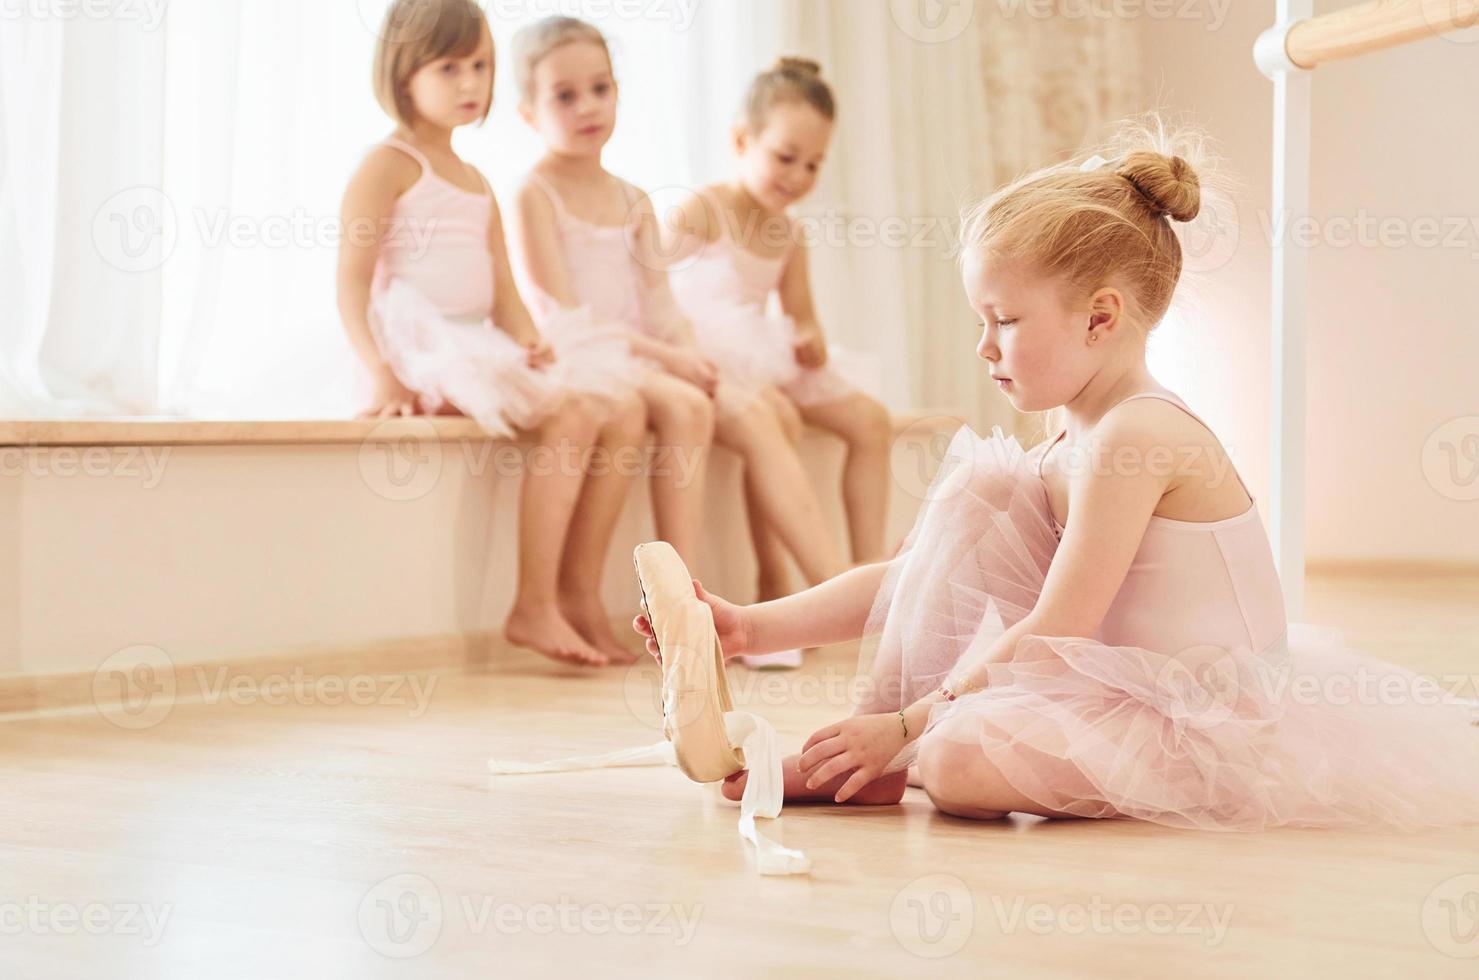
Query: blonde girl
1095, 628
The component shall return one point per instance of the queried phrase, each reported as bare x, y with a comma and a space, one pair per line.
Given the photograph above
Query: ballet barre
1285, 53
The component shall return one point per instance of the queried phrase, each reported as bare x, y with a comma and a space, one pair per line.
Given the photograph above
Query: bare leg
681, 418
865, 426
774, 579
551, 489
616, 460
777, 483
770, 554
961, 781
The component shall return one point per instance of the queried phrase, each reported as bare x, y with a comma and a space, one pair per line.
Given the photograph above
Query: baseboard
1377, 567
118, 681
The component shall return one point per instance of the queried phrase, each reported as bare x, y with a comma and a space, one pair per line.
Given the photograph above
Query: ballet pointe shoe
695, 688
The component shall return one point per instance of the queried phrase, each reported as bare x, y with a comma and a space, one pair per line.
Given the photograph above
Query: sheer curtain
74, 98
168, 203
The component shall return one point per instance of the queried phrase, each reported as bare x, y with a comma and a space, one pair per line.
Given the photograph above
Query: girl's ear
526, 113
739, 138
1106, 308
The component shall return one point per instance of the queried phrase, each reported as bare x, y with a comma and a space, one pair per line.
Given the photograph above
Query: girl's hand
540, 353
810, 347
391, 398
731, 623
693, 367
863, 745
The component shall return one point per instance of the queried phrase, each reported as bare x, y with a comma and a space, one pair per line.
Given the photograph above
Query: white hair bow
1093, 163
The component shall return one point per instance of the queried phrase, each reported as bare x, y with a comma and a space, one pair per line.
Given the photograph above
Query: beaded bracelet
950, 694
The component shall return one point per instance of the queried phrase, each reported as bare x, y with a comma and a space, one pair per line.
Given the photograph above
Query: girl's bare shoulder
386, 170
697, 213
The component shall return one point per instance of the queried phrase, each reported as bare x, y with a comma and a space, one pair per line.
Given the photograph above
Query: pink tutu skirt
594, 356
755, 350
1213, 737
470, 364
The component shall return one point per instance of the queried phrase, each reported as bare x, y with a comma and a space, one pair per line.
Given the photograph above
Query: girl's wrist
749, 633
915, 717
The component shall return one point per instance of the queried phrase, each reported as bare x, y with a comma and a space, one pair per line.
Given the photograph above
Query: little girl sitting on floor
1095, 628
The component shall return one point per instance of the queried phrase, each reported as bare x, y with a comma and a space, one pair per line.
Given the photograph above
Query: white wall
225, 552
1394, 324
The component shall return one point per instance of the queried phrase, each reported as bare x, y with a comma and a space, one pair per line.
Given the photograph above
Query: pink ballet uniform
603, 271
602, 264
430, 311
725, 289
1194, 704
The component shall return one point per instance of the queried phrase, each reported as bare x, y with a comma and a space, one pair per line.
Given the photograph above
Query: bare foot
882, 791
585, 612
543, 629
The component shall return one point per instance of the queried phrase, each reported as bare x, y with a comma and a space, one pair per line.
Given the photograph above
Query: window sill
222, 432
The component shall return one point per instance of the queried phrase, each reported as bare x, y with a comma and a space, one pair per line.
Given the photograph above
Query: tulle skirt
472, 365
593, 355
755, 350
1310, 733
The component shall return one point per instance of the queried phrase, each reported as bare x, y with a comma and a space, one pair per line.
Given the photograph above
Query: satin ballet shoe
695, 688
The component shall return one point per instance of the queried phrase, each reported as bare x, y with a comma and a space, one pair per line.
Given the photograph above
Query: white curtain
74, 98
168, 205
910, 149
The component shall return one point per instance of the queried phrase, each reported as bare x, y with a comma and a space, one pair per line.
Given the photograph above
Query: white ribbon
1093, 163
764, 792
658, 754
764, 787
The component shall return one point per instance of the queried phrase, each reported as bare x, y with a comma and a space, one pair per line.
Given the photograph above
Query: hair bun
1168, 183
797, 66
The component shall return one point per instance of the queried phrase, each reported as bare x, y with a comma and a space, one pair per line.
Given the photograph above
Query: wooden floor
366, 840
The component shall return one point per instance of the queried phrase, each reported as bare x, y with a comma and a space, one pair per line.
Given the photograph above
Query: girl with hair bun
1095, 627
742, 276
